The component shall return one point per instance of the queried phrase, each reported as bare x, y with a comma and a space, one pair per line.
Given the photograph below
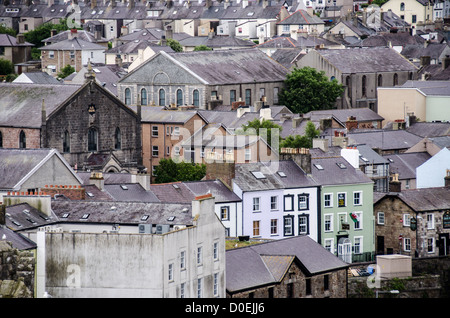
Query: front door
345, 249
380, 245
444, 244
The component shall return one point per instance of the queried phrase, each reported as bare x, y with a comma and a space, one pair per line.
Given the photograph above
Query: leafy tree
202, 48
257, 126
174, 45
6, 30
6, 67
170, 171
66, 71
299, 141
44, 31
308, 89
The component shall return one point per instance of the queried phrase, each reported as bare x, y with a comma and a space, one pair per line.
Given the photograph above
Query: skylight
170, 218
258, 175
281, 174
85, 216
341, 165
65, 215
144, 217
124, 187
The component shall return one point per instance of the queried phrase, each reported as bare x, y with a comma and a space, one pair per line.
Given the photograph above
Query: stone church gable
161, 70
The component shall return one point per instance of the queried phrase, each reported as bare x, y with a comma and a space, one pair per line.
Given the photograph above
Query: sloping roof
385, 139
17, 165
405, 164
75, 44
293, 177
266, 263
301, 17
336, 171
433, 50
21, 104
81, 34
427, 129
8, 40
36, 78
232, 66
367, 60
437, 88
122, 212
23, 216
17, 240
129, 192
422, 200
217, 41
133, 47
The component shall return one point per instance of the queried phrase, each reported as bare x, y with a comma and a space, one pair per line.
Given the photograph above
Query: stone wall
17, 272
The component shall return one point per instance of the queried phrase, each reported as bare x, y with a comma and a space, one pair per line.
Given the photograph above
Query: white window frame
199, 287
216, 251
330, 205
329, 245
358, 245
216, 285
430, 245
183, 260
155, 131
359, 198
406, 219
406, 244
329, 223
274, 203
170, 272
256, 206
273, 226
430, 221
381, 218
358, 225
51, 54
199, 255
155, 149
248, 154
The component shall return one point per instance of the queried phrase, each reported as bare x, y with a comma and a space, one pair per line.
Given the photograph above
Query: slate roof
301, 17
342, 115
405, 164
385, 139
433, 50
36, 78
367, 60
435, 72
17, 240
427, 129
217, 42
288, 57
81, 34
75, 44
437, 88
326, 171
151, 35
395, 39
232, 66
17, 165
130, 192
294, 177
8, 41
23, 216
423, 200
133, 47
122, 212
261, 264
21, 104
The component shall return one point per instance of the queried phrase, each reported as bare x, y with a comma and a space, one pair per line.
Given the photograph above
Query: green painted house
346, 207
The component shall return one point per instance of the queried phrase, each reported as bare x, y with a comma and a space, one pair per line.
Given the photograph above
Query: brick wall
73, 193
10, 137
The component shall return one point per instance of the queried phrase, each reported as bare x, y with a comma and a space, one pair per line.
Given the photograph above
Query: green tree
66, 71
174, 45
170, 171
6, 30
299, 141
262, 128
307, 89
202, 48
6, 67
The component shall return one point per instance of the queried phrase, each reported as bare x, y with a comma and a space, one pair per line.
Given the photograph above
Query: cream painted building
426, 100
412, 11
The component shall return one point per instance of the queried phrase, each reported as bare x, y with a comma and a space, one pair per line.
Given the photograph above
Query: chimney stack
97, 179
300, 156
394, 184
73, 33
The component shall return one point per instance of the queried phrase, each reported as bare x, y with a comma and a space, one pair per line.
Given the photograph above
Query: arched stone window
143, 97
127, 96
363, 85
118, 139
92, 139
179, 97
162, 97
402, 6
22, 140
395, 79
196, 98
380, 80
66, 142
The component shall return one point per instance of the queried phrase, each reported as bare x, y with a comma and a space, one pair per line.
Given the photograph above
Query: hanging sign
446, 220
413, 224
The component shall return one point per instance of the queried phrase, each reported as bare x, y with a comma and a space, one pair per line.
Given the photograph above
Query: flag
354, 217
